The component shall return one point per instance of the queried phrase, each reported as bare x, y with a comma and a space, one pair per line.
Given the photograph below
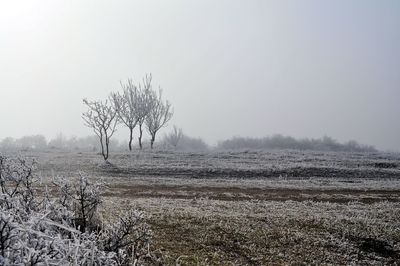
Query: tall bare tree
127, 107
160, 113
144, 104
102, 118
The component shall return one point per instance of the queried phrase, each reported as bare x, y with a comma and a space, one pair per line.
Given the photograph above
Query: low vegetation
285, 142
39, 228
204, 208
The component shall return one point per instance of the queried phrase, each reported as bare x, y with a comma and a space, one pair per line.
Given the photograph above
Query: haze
229, 68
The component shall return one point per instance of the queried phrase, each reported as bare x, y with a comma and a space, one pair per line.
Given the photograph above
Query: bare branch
159, 114
102, 119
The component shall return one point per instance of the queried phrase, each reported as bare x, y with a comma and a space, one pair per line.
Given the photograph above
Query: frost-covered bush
38, 229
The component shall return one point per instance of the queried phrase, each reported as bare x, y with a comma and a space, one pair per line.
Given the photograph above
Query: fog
230, 68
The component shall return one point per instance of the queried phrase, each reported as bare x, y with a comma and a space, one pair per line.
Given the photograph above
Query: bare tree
160, 113
127, 107
102, 118
144, 104
174, 137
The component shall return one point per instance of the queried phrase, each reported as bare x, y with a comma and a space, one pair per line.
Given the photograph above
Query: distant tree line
285, 142
33, 142
39, 142
91, 143
177, 140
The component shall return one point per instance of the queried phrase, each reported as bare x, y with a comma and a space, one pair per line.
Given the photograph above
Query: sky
230, 68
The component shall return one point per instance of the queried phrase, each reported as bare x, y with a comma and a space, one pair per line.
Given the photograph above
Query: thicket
63, 227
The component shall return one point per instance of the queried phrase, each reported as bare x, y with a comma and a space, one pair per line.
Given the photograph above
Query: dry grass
215, 232
253, 208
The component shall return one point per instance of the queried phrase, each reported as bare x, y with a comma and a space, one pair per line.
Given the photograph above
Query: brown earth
237, 194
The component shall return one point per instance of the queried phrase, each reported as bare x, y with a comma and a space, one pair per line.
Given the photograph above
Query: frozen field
252, 207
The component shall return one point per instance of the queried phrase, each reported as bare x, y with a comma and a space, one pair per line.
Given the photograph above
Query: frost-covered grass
214, 161
219, 232
275, 169
252, 207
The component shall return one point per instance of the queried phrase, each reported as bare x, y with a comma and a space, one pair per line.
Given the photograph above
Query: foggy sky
250, 68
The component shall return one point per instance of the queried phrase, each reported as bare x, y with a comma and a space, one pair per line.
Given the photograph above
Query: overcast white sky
249, 68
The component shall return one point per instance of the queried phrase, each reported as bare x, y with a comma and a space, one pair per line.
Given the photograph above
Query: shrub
38, 229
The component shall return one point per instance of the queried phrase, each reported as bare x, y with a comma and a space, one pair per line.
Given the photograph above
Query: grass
252, 208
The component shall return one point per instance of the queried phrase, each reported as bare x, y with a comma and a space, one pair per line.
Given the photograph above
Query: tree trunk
140, 136
107, 147
130, 139
153, 138
102, 148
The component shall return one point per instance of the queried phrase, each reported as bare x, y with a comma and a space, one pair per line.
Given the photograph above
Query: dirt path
238, 194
